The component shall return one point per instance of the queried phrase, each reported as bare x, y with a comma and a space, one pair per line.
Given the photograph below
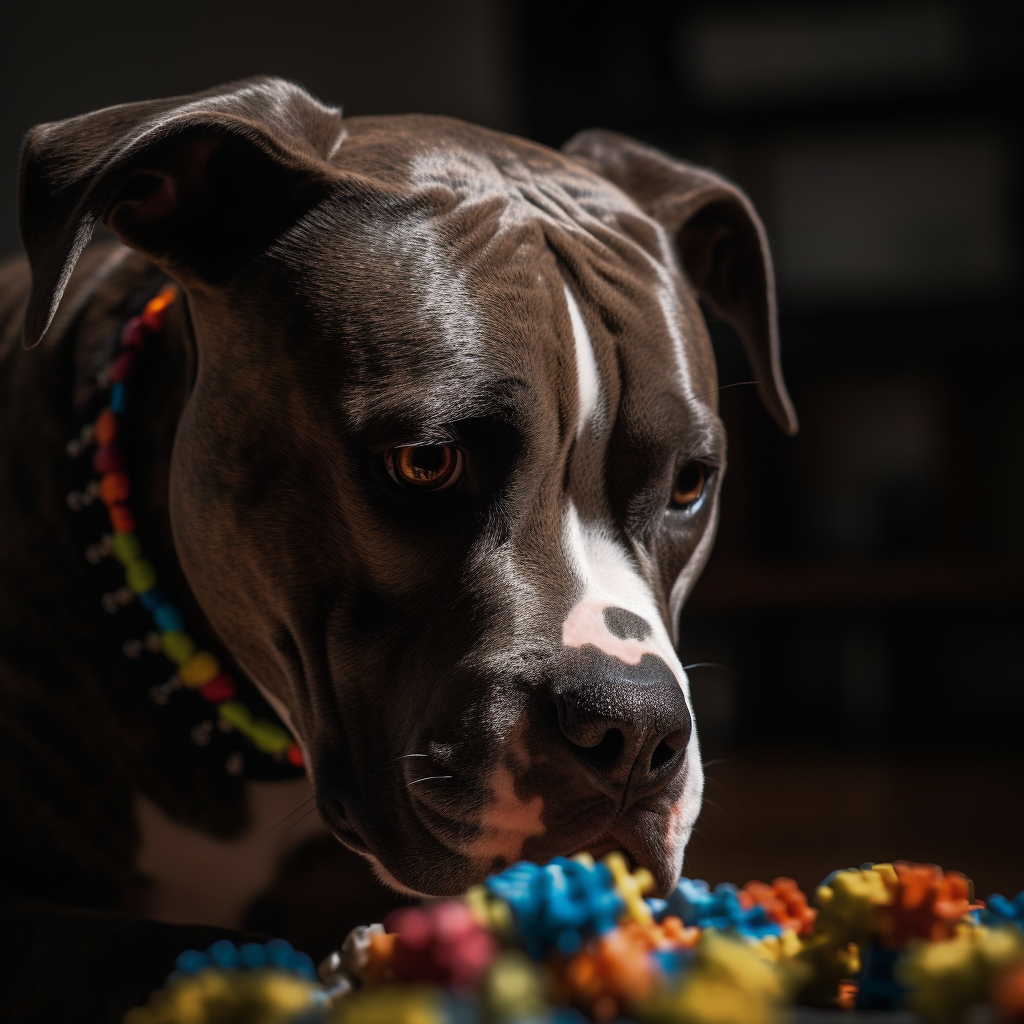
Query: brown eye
424, 467
689, 485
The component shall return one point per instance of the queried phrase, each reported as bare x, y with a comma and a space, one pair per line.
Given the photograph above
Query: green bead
140, 575
126, 548
235, 713
177, 645
269, 737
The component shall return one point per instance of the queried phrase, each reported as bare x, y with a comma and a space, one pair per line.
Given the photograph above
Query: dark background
864, 600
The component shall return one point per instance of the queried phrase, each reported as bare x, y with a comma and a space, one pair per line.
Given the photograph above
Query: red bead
114, 487
121, 368
295, 755
121, 518
220, 688
134, 334
108, 458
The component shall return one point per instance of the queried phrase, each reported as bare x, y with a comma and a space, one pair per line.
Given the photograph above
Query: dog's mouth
606, 844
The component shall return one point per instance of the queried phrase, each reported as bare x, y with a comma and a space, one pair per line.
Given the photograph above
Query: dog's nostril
663, 753
607, 752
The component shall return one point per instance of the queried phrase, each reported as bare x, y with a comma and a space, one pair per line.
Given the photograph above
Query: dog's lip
337, 821
599, 847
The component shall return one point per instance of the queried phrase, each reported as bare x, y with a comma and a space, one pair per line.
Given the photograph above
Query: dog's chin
648, 839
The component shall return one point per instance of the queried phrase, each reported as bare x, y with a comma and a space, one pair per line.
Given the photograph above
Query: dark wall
61, 59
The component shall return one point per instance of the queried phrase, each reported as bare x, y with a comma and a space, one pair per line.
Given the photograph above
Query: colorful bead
134, 334
560, 905
442, 943
167, 618
105, 427
631, 886
121, 517
108, 458
784, 902
177, 645
125, 547
140, 575
114, 487
294, 755
219, 689
155, 313
118, 398
999, 910
200, 669
268, 737
121, 368
153, 599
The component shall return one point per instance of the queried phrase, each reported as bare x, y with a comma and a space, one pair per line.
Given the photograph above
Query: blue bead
303, 965
118, 399
252, 954
152, 599
224, 954
167, 618
559, 905
999, 910
192, 961
280, 953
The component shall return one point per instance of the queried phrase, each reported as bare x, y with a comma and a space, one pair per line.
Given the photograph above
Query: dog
428, 444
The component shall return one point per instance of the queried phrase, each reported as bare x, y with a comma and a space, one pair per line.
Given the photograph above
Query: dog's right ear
201, 184
719, 240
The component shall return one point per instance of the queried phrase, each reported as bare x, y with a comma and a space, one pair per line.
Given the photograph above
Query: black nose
627, 724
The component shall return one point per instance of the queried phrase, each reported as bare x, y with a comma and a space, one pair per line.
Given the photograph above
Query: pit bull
428, 445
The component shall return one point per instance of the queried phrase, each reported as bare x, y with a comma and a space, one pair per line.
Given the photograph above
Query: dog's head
451, 461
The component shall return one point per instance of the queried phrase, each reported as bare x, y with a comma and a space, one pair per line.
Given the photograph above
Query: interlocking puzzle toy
575, 941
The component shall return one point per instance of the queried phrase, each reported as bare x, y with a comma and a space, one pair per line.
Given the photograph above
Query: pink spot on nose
586, 626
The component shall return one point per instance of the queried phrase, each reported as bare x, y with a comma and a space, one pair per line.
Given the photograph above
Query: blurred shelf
744, 585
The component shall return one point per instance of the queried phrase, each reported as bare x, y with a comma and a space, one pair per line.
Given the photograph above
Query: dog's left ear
201, 184
720, 241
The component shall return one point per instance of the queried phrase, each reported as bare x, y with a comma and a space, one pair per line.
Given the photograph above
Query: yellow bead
140, 576
631, 886
199, 669
177, 645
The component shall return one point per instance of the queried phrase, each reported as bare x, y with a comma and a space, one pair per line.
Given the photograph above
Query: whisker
298, 821
428, 778
737, 384
290, 814
716, 760
711, 664
401, 756
721, 810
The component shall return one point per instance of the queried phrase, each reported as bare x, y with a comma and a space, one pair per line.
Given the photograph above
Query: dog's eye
689, 485
424, 467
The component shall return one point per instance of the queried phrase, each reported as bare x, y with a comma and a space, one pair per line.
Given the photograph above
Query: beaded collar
251, 741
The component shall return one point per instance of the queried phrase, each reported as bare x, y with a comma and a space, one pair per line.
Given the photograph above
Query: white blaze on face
587, 380
610, 580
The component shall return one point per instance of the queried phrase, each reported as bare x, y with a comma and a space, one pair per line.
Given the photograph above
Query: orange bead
105, 427
155, 313
121, 518
114, 487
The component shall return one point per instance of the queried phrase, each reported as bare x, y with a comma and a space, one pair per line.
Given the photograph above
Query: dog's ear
201, 184
720, 241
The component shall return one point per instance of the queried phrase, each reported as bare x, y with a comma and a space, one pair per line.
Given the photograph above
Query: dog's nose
627, 724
